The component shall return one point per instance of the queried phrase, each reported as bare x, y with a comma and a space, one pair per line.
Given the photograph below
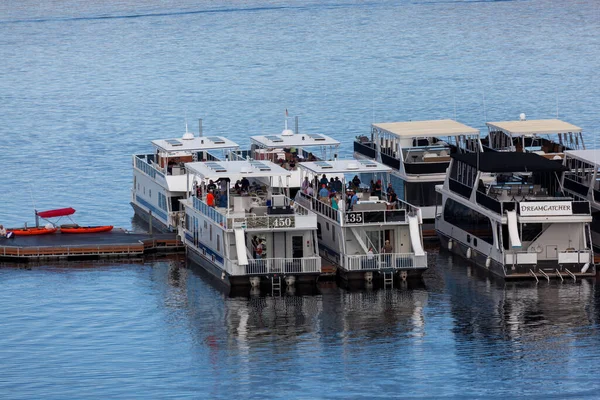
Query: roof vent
522, 117
352, 166
287, 132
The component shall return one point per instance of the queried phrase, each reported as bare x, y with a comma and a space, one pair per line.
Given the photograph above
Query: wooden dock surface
116, 243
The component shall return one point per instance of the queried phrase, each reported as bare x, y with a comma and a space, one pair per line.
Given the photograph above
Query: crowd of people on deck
329, 191
291, 159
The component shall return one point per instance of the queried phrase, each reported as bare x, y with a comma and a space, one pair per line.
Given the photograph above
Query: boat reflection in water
516, 315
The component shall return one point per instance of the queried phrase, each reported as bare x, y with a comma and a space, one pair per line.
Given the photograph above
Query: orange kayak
85, 229
32, 231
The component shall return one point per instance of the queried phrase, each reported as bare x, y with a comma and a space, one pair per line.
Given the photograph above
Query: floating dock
117, 243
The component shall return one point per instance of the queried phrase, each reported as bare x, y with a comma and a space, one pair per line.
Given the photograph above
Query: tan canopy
534, 127
434, 128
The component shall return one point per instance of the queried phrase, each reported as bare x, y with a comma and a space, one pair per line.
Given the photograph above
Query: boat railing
142, 163
385, 261
318, 206
366, 149
210, 212
269, 266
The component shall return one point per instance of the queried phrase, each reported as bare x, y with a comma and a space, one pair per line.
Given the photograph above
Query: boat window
530, 231
468, 220
218, 243
421, 194
333, 233
319, 233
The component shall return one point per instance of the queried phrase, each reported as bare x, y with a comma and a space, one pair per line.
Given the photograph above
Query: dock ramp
513, 229
415, 235
240, 246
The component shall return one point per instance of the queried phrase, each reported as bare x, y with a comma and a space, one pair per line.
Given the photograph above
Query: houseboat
509, 214
159, 178
290, 149
247, 231
359, 232
549, 138
582, 181
419, 154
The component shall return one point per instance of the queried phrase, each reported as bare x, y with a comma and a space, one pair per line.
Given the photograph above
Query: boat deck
116, 243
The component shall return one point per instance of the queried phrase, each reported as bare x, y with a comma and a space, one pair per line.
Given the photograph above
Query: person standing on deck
2, 231
210, 198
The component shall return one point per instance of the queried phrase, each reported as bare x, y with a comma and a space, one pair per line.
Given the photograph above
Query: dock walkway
116, 243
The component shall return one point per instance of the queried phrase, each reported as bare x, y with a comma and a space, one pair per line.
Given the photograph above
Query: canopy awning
509, 162
59, 212
534, 127
423, 129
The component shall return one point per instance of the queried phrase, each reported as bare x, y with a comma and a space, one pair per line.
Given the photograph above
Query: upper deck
369, 210
166, 164
549, 138
583, 179
417, 147
245, 196
523, 182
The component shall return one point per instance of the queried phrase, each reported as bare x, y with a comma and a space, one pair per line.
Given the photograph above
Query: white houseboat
583, 181
159, 178
549, 138
254, 232
508, 213
290, 149
419, 154
370, 236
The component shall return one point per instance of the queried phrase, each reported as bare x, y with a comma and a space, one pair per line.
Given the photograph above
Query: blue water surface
84, 85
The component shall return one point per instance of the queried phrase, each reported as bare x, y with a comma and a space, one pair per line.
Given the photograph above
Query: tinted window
468, 220
420, 194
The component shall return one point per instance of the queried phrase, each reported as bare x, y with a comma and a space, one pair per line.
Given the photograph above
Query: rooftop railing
142, 163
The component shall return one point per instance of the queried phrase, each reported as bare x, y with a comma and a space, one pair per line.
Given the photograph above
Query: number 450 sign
282, 222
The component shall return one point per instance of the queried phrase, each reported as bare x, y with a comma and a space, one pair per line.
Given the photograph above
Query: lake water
83, 85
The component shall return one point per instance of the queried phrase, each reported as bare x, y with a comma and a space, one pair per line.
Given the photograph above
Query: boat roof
509, 162
235, 170
534, 127
295, 140
591, 156
343, 167
433, 128
197, 143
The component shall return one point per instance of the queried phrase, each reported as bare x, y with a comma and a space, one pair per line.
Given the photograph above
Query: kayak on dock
32, 231
85, 229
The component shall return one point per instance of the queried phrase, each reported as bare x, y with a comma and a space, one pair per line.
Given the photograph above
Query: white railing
574, 257
396, 261
143, 165
520, 258
268, 266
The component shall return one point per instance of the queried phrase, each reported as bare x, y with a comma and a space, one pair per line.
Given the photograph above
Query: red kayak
32, 231
85, 229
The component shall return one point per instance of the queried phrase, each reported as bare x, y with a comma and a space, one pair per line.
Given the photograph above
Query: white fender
450, 244
469, 252
488, 262
585, 268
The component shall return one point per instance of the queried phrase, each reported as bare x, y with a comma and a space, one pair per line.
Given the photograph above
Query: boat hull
498, 269
146, 217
